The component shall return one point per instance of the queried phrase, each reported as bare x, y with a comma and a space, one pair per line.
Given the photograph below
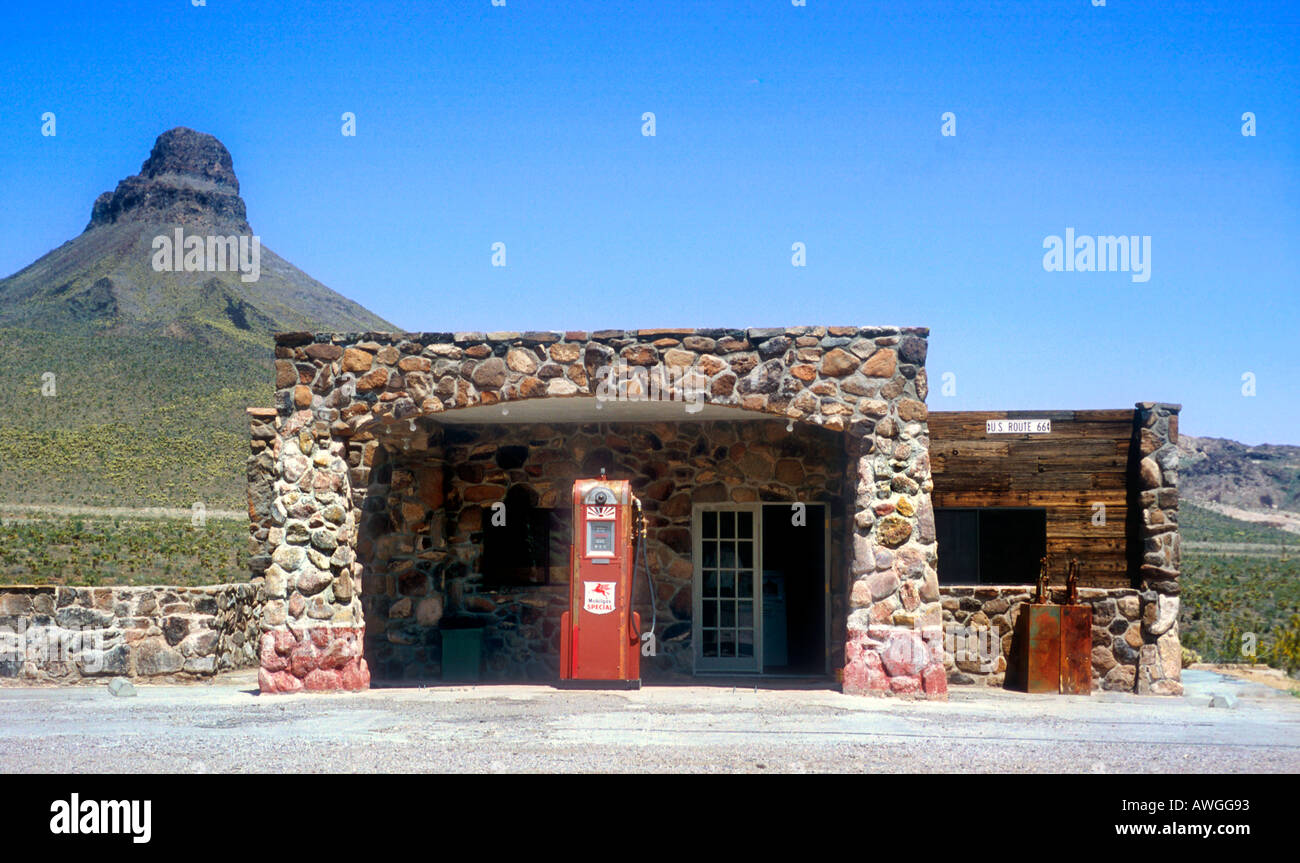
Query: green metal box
462, 654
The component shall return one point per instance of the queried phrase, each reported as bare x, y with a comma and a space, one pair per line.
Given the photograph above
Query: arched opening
469, 524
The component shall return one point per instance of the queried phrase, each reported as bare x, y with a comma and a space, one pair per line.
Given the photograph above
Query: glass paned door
728, 633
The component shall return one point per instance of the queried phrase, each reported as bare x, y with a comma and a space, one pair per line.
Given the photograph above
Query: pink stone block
877, 680
855, 680
906, 654
355, 676
337, 655
265, 682
283, 681
905, 685
318, 659
863, 672
881, 612
934, 680
909, 563
882, 584
321, 680
303, 660
909, 596
880, 632
270, 660
860, 680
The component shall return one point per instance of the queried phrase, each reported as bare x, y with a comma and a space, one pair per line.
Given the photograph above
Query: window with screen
990, 546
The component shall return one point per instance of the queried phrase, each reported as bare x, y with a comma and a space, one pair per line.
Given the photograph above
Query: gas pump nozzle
639, 537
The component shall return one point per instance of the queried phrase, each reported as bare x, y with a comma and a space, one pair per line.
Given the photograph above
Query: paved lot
225, 726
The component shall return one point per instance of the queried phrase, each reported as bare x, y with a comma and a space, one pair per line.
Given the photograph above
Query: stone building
790, 479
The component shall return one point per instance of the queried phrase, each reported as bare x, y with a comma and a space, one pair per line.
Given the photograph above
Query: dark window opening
524, 545
794, 591
990, 546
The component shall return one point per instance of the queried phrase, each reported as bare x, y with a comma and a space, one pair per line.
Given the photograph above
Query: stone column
261, 474
895, 637
1160, 656
312, 626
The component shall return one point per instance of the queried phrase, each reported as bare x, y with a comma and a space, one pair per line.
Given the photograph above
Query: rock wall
303, 532
979, 623
67, 634
1160, 659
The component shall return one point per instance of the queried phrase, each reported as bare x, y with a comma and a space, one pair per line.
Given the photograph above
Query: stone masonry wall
979, 623
303, 532
422, 539
1159, 669
68, 634
337, 395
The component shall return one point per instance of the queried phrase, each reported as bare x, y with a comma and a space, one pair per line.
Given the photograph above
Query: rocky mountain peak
116, 277
188, 153
188, 179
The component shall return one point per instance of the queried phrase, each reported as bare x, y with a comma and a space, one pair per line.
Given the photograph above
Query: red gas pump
600, 635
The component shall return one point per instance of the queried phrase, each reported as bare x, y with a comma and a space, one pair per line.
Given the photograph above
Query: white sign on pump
599, 596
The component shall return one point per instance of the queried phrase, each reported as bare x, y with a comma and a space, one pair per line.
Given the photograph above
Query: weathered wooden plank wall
1082, 462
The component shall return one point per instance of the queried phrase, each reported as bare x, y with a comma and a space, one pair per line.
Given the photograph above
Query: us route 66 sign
1031, 426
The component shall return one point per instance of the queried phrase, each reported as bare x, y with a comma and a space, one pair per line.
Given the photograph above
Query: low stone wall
69, 634
979, 623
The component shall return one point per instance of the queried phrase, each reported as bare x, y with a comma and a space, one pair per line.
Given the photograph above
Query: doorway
762, 589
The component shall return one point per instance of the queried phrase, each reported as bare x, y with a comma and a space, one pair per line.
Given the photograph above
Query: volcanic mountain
107, 274
125, 377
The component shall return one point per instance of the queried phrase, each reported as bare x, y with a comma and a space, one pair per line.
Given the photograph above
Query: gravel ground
224, 726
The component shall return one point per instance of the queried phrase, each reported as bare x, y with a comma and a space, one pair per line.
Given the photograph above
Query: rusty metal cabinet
1052, 649
1076, 649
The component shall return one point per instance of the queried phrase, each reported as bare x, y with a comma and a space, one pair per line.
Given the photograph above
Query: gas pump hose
645, 566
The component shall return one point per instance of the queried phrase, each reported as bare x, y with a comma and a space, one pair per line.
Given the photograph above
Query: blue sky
775, 124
